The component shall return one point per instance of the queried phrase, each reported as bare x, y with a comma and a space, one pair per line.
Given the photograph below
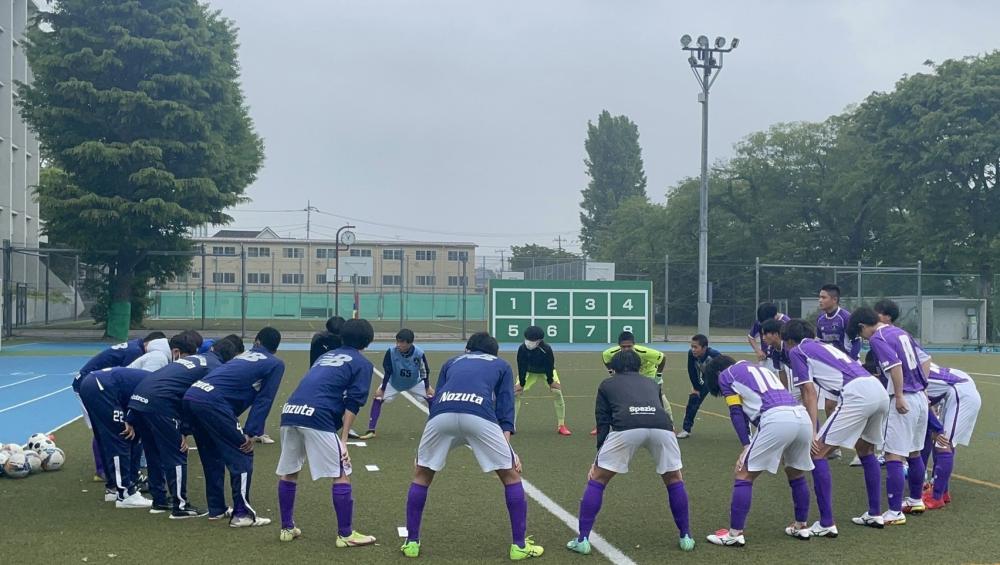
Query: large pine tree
138, 104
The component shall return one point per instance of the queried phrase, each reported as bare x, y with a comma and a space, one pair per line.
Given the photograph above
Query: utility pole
309, 210
558, 241
703, 56
503, 262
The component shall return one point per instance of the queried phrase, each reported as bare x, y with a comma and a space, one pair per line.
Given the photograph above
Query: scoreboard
570, 311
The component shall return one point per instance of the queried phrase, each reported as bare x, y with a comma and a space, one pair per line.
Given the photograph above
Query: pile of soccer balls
40, 454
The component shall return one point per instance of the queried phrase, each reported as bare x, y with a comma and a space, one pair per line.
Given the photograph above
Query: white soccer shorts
619, 447
862, 412
390, 392
905, 433
961, 410
823, 396
323, 449
785, 432
445, 432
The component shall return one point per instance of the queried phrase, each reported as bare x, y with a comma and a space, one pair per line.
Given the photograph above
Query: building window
258, 251
458, 255
195, 274
293, 278
226, 250
321, 278
258, 278
364, 281
292, 253
425, 280
456, 281
390, 280
361, 253
224, 278
326, 253
426, 255
393, 254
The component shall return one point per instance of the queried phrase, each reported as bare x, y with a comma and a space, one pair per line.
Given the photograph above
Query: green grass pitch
61, 518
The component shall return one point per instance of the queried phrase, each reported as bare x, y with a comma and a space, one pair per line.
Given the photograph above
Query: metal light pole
706, 58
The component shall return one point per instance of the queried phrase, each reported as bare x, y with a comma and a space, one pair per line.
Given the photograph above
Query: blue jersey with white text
118, 355
479, 384
404, 371
338, 381
249, 379
161, 393
118, 381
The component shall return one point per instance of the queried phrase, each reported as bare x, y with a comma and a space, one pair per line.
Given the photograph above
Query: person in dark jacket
535, 361
698, 356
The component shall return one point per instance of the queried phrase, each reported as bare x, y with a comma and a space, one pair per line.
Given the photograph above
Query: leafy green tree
138, 103
614, 165
530, 255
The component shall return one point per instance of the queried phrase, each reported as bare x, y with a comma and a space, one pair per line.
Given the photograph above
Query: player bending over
474, 407
766, 311
653, 363
699, 355
784, 434
327, 400
405, 367
213, 405
630, 415
535, 361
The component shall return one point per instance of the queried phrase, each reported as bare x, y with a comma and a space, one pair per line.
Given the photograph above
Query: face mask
531, 344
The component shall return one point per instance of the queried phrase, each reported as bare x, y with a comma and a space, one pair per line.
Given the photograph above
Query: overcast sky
453, 120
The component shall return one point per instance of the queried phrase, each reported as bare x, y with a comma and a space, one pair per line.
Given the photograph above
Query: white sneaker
893, 518
247, 522
263, 438
867, 519
835, 454
819, 531
135, 500
683, 434
110, 495
856, 462
224, 516
800, 533
913, 505
724, 537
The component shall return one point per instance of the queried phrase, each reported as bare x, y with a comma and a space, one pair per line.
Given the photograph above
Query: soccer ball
4, 456
16, 466
36, 440
11, 448
53, 459
34, 461
40, 446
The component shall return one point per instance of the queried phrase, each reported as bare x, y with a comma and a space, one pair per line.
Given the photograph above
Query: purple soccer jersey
758, 388
756, 333
833, 330
893, 347
940, 381
822, 363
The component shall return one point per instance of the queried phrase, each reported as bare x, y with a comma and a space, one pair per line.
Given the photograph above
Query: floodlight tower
704, 58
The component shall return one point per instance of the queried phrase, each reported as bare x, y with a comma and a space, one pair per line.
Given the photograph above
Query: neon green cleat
581, 547
356, 539
289, 534
411, 548
529, 550
370, 434
686, 543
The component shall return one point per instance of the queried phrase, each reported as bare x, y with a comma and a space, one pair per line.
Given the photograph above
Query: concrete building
19, 160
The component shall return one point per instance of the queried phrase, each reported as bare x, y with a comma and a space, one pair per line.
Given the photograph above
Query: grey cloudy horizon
443, 120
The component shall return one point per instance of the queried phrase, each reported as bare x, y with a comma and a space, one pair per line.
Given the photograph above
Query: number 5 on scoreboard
512, 329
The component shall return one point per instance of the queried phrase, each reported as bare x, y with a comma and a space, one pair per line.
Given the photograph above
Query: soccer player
535, 361
906, 426
956, 394
630, 415
766, 311
157, 355
831, 324
474, 406
405, 367
653, 363
784, 434
815, 366
213, 405
698, 356
323, 341
777, 356
119, 355
154, 410
326, 401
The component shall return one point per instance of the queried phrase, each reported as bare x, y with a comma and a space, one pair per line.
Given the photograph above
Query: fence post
48, 267
203, 274
756, 283
8, 317
920, 300
243, 291
465, 287
860, 295
76, 286
402, 277
666, 297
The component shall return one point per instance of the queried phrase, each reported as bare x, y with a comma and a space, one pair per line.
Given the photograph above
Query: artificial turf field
60, 517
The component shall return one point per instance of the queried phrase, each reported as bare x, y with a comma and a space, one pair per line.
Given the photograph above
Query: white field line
37, 398
596, 540
23, 381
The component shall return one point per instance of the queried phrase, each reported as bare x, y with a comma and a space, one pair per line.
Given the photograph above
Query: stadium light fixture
706, 63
